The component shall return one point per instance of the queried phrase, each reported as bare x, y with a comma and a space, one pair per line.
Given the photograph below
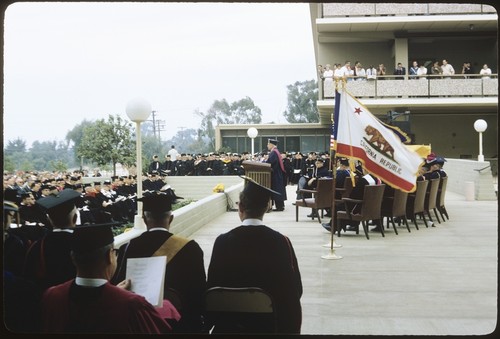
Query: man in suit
185, 271
256, 255
400, 70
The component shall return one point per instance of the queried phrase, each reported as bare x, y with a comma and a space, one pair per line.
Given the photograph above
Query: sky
67, 62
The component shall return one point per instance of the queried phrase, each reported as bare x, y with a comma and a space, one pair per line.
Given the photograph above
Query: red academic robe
69, 308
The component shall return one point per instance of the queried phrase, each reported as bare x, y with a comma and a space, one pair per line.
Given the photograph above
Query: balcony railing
390, 86
389, 9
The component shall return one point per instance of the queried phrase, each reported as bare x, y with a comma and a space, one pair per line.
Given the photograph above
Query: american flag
332, 137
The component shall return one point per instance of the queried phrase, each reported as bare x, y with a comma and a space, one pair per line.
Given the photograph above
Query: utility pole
154, 122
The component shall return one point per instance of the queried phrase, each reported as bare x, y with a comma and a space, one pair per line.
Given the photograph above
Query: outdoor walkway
433, 281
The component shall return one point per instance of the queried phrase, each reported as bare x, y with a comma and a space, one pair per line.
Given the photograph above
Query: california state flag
360, 135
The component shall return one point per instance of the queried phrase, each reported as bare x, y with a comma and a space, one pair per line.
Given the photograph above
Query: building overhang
465, 105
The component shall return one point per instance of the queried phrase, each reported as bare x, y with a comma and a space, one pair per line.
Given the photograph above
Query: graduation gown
48, 261
69, 308
258, 256
185, 273
277, 173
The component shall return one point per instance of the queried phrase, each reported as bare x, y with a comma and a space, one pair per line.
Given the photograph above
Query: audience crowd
435, 70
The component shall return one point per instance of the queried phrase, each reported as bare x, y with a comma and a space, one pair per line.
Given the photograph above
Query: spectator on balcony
485, 71
381, 71
436, 70
346, 70
359, 71
467, 69
422, 72
400, 70
337, 73
371, 73
414, 70
320, 71
447, 69
328, 74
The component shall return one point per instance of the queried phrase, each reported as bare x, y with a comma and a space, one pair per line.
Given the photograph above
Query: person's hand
125, 284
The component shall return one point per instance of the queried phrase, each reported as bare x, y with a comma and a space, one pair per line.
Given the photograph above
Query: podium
261, 173
258, 171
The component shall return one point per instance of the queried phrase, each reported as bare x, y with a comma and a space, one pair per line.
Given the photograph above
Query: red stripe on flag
374, 168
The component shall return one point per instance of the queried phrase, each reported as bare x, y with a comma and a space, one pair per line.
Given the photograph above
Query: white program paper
147, 277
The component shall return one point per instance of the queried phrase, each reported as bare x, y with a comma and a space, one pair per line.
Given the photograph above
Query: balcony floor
433, 281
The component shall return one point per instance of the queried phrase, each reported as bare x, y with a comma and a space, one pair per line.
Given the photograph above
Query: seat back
442, 192
239, 310
372, 202
418, 204
430, 199
323, 197
399, 203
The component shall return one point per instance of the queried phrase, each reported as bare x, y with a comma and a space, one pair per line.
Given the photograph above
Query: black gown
258, 256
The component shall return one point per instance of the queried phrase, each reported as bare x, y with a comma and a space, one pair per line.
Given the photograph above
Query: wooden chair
395, 207
415, 203
322, 198
239, 310
370, 208
440, 198
431, 198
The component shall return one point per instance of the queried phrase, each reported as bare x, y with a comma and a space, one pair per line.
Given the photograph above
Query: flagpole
332, 255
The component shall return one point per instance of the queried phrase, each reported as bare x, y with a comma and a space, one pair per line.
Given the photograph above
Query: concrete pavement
434, 281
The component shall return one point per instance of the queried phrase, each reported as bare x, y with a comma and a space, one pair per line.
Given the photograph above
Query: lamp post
252, 133
480, 126
138, 110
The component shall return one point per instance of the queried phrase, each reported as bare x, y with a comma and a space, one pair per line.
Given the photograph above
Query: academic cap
61, 203
159, 201
344, 161
256, 191
272, 141
89, 238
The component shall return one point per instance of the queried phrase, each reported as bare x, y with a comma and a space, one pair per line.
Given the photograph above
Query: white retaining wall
194, 216
462, 172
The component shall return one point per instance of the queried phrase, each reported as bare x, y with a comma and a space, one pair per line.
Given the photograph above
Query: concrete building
433, 110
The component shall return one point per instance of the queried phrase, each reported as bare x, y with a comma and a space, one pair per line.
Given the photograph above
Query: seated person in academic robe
310, 181
89, 303
48, 261
185, 271
21, 298
255, 255
364, 178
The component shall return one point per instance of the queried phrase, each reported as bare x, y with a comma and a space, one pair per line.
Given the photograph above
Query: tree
185, 141
76, 134
302, 98
16, 146
243, 111
16, 153
108, 142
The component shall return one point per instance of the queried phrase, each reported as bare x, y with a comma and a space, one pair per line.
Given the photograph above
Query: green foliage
8, 164
76, 135
58, 165
242, 111
26, 166
225, 149
15, 146
108, 142
302, 98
